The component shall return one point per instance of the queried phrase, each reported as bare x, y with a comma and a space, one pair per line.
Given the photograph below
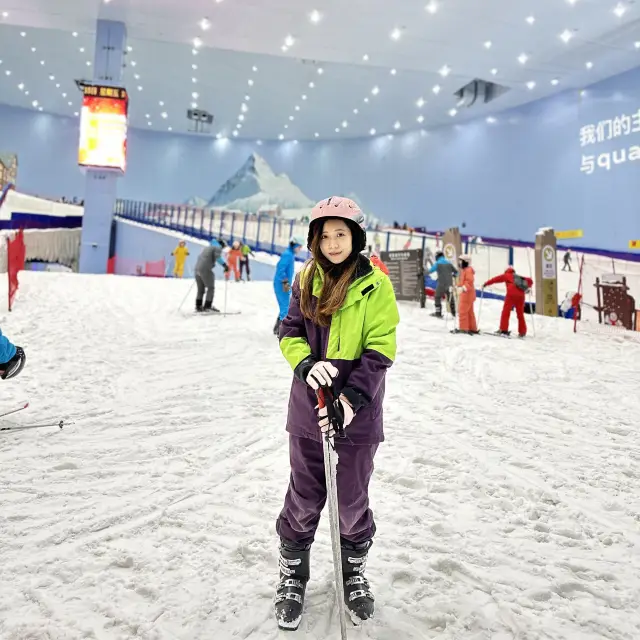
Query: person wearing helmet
283, 279
340, 331
232, 260
467, 292
12, 358
446, 273
517, 287
205, 280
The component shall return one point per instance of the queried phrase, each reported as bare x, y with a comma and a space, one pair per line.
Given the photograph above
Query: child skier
244, 260
205, 280
446, 273
232, 261
12, 359
341, 331
180, 254
283, 279
467, 292
517, 286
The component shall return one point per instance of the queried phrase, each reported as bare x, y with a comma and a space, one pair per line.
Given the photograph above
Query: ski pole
186, 296
8, 413
226, 288
331, 479
480, 308
533, 322
60, 424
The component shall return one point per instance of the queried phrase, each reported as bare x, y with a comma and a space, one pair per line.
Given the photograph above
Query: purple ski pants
307, 491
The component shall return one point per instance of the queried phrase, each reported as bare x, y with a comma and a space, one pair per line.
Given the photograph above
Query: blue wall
146, 244
504, 179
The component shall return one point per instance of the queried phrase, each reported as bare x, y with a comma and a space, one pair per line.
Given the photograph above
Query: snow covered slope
254, 185
507, 495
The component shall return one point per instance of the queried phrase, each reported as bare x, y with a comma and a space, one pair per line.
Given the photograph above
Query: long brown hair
335, 285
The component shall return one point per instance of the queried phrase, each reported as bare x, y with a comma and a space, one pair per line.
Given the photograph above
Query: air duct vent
478, 92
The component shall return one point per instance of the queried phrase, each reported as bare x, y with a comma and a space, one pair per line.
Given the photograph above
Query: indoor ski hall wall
569, 161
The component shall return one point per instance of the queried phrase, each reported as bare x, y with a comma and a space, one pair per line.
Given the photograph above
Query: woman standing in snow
340, 330
467, 291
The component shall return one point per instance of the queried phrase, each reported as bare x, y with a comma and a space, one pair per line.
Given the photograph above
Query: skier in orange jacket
517, 286
232, 260
467, 291
376, 262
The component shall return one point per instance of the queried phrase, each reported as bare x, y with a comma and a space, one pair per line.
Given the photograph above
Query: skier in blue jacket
12, 359
283, 279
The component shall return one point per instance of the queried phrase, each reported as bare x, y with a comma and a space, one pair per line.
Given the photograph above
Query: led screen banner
103, 128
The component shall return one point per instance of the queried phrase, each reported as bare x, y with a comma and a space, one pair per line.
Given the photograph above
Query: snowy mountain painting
255, 185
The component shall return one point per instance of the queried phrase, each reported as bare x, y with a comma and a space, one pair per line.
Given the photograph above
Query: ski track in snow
507, 494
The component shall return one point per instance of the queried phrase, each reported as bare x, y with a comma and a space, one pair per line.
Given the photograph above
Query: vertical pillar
101, 186
546, 273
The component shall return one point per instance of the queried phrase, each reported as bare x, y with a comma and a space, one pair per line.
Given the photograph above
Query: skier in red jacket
517, 286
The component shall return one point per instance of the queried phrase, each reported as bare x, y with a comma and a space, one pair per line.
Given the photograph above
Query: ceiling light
566, 35
35, 103
239, 125
76, 114
289, 41
589, 65
295, 142
375, 91
21, 86
345, 124
40, 109
312, 85
194, 67
195, 95
432, 7
88, 63
366, 99
70, 103
286, 126
304, 96
57, 85
494, 72
320, 71
129, 48
337, 129
487, 44
26, 93
420, 103
637, 44
139, 87
420, 119
285, 48
170, 129
5, 14
147, 116
372, 132
355, 111
393, 72
365, 57
620, 10
445, 71
436, 89
280, 137
555, 81
33, 49
205, 24
250, 82
395, 34
133, 63
522, 58
315, 16
254, 68
52, 77
572, 1
149, 124
42, 62
247, 98
530, 19
316, 134
240, 117
161, 103
531, 85
194, 52
259, 142
164, 115
75, 34
396, 125
297, 108
23, 34
244, 108
291, 118
64, 95
194, 105
197, 43
491, 120
194, 80
453, 112
8, 72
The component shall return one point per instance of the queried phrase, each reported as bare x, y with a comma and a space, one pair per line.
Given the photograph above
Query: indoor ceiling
305, 69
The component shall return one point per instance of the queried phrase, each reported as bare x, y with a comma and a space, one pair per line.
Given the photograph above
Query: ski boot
436, 314
208, 306
276, 327
504, 334
198, 306
294, 575
357, 594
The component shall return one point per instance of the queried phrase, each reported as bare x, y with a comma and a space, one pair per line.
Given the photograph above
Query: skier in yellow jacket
180, 254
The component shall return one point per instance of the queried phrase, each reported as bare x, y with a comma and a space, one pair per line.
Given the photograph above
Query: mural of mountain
194, 201
255, 185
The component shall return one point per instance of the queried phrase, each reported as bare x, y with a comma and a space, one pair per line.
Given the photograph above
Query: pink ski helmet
337, 207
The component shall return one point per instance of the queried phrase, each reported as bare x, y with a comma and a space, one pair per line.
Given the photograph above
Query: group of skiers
463, 288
